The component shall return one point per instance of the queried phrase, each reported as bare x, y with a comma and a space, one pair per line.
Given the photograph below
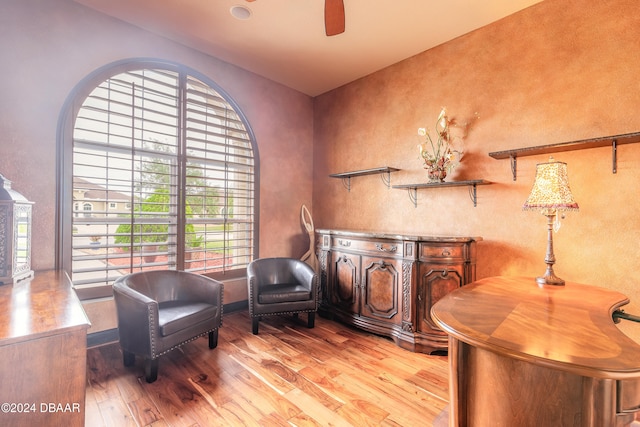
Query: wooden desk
525, 355
43, 346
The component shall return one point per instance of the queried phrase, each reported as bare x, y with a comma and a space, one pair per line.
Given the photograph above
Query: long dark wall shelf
412, 189
612, 141
385, 174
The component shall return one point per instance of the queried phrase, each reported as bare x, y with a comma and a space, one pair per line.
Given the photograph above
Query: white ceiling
285, 41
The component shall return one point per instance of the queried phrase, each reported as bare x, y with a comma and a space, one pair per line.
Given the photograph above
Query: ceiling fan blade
333, 17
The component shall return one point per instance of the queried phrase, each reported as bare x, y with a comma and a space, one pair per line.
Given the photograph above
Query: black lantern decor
15, 235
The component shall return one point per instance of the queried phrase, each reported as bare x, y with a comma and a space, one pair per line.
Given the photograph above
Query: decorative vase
436, 174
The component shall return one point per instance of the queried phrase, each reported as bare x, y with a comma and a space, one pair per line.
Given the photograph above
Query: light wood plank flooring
288, 375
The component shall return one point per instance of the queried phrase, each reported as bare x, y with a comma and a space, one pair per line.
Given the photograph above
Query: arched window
174, 153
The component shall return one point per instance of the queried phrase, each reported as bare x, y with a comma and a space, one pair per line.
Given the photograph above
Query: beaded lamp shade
551, 188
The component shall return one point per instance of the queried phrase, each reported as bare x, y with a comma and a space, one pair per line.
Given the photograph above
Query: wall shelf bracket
614, 156
346, 182
386, 178
514, 166
473, 194
413, 195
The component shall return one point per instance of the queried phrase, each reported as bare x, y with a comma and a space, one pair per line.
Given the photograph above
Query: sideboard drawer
441, 251
372, 247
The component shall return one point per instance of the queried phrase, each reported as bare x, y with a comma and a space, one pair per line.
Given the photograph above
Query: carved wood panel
345, 281
436, 281
380, 285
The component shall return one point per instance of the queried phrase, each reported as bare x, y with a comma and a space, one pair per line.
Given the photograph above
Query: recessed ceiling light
241, 12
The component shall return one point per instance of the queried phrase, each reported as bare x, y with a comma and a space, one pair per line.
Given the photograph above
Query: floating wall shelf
613, 141
385, 174
412, 189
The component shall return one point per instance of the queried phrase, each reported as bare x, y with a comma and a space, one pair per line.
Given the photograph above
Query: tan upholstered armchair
281, 286
159, 311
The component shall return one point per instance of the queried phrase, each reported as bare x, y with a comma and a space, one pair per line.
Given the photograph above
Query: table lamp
550, 194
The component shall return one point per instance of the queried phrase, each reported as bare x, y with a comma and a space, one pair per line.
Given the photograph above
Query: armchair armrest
137, 318
304, 274
121, 287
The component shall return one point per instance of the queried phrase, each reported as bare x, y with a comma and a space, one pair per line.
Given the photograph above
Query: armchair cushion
285, 292
174, 316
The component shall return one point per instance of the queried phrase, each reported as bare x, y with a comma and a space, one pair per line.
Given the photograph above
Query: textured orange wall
48, 47
559, 71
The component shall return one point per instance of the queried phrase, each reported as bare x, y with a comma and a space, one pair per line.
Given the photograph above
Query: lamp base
550, 279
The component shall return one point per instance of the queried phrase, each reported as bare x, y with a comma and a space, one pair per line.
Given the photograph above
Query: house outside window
176, 155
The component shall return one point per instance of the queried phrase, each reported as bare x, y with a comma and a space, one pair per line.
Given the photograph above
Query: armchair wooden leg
128, 358
213, 339
254, 324
311, 320
151, 370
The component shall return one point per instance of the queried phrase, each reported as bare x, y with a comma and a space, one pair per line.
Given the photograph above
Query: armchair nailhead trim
251, 297
152, 334
280, 313
155, 356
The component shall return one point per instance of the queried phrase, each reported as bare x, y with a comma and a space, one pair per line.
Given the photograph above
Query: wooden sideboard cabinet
43, 352
387, 283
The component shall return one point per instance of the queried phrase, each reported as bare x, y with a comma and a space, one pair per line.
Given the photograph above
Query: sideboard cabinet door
381, 285
343, 284
444, 267
435, 281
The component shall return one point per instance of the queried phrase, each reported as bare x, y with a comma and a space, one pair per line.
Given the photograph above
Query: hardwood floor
331, 375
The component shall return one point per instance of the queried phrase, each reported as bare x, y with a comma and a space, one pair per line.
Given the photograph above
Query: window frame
64, 182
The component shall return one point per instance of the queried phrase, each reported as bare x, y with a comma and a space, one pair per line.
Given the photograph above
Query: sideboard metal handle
344, 242
381, 247
446, 252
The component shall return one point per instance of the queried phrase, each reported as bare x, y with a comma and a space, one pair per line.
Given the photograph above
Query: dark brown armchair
159, 311
279, 286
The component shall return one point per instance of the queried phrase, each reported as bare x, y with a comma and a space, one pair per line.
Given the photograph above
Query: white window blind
167, 166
